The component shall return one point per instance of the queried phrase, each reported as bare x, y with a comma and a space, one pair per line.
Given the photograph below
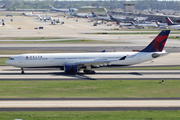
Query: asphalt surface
55, 74
92, 109
87, 49
86, 100
88, 105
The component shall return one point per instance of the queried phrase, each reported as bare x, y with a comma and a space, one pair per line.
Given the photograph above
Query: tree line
110, 4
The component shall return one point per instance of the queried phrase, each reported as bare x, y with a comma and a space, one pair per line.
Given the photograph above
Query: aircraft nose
7, 62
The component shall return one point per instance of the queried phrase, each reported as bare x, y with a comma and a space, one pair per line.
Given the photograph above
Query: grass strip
175, 37
34, 51
141, 30
90, 89
142, 68
2, 61
60, 41
133, 33
91, 115
29, 38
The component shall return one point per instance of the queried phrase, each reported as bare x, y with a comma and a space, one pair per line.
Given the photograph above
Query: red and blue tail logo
158, 43
169, 22
3, 6
93, 14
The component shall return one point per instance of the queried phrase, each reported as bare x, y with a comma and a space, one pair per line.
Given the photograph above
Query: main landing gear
22, 71
89, 71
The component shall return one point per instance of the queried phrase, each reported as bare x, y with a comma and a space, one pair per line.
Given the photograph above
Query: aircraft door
20, 59
138, 56
52, 59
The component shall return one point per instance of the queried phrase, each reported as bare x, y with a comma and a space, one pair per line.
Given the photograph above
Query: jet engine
71, 69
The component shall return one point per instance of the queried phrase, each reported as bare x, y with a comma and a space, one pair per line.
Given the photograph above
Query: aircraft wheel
22, 72
93, 72
89, 71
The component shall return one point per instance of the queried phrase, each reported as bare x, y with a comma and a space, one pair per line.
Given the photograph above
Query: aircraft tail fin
93, 14
4, 6
111, 17
72, 12
51, 7
132, 23
169, 22
158, 43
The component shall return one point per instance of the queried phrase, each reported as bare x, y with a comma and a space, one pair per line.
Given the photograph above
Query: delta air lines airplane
172, 25
74, 62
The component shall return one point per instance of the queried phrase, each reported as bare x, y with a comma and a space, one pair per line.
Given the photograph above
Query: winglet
158, 43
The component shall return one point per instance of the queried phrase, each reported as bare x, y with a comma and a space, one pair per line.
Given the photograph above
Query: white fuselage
61, 59
174, 27
102, 18
147, 25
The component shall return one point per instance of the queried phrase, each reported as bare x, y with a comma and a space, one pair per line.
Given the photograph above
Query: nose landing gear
22, 71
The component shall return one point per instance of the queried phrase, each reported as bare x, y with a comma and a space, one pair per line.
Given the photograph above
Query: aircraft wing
97, 62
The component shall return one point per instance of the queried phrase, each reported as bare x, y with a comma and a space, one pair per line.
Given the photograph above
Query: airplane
100, 18
3, 7
116, 18
72, 63
30, 15
126, 24
144, 25
56, 21
172, 25
61, 10
79, 15
46, 18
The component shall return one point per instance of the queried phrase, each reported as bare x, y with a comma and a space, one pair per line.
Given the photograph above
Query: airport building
129, 7
129, 10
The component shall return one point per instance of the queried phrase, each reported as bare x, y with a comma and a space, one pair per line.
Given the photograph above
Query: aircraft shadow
76, 76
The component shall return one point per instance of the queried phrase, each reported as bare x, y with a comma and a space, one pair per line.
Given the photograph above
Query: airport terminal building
129, 10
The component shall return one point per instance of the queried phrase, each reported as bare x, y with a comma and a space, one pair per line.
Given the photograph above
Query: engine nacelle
70, 68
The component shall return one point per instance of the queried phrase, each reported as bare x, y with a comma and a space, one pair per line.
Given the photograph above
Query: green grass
90, 89
132, 33
175, 37
89, 10
29, 38
2, 61
91, 115
141, 30
34, 51
60, 42
142, 68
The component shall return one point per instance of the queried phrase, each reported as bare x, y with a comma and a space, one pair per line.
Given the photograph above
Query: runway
88, 105
84, 48
56, 74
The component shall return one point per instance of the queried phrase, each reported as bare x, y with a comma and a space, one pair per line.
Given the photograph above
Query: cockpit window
11, 58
